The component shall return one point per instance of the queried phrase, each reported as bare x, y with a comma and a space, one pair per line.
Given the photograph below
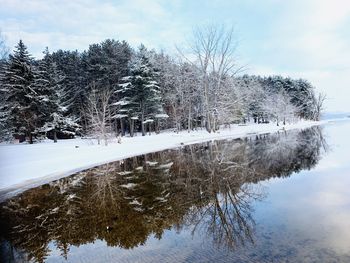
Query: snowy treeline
113, 89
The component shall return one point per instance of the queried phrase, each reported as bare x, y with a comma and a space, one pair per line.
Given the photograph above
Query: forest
113, 89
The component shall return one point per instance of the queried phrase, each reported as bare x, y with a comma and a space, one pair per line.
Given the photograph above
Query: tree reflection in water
209, 188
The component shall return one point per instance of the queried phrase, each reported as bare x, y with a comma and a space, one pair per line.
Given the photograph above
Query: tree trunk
157, 126
202, 121
176, 118
105, 134
189, 119
122, 126
214, 123
131, 127
143, 127
116, 130
54, 136
30, 138
85, 128
142, 120
206, 100
208, 124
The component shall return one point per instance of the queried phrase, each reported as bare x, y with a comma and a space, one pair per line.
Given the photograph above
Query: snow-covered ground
24, 165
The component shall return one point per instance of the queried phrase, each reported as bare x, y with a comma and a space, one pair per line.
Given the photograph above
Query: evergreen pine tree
48, 81
140, 95
105, 64
19, 112
74, 83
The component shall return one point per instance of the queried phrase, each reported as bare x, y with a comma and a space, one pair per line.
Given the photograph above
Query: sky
307, 39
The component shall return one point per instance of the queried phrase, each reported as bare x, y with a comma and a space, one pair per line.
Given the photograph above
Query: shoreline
26, 166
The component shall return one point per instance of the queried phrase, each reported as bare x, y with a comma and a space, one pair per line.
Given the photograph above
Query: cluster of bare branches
4, 50
99, 114
212, 52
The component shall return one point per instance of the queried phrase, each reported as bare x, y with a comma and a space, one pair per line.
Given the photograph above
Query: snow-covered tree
252, 97
105, 64
98, 111
74, 84
263, 96
213, 48
179, 90
167, 78
319, 106
201, 88
300, 91
279, 108
48, 82
139, 91
20, 112
189, 96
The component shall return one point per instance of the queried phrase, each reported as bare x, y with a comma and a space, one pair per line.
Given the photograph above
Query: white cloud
309, 39
76, 24
302, 38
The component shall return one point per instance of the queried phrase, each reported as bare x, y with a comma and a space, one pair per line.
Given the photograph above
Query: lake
280, 197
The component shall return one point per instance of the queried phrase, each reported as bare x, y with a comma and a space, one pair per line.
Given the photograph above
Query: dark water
270, 198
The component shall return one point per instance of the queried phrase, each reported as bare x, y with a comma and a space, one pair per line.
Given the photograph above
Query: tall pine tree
74, 83
139, 91
20, 111
48, 80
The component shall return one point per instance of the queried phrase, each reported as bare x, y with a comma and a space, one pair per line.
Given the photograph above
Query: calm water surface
269, 198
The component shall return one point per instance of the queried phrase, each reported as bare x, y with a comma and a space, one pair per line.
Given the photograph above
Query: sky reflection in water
265, 198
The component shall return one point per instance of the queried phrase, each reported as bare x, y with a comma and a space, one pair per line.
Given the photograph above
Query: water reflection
207, 188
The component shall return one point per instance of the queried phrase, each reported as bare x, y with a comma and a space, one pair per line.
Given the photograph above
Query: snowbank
25, 166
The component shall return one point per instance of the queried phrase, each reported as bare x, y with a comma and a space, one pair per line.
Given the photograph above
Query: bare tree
319, 105
4, 50
213, 48
98, 112
3, 55
179, 81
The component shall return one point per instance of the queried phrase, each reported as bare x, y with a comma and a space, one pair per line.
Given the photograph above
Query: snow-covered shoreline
25, 166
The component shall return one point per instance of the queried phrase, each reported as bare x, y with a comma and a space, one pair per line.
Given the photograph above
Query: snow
161, 199
119, 116
124, 85
125, 173
71, 196
23, 165
165, 166
148, 120
151, 163
162, 115
121, 102
128, 186
135, 202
